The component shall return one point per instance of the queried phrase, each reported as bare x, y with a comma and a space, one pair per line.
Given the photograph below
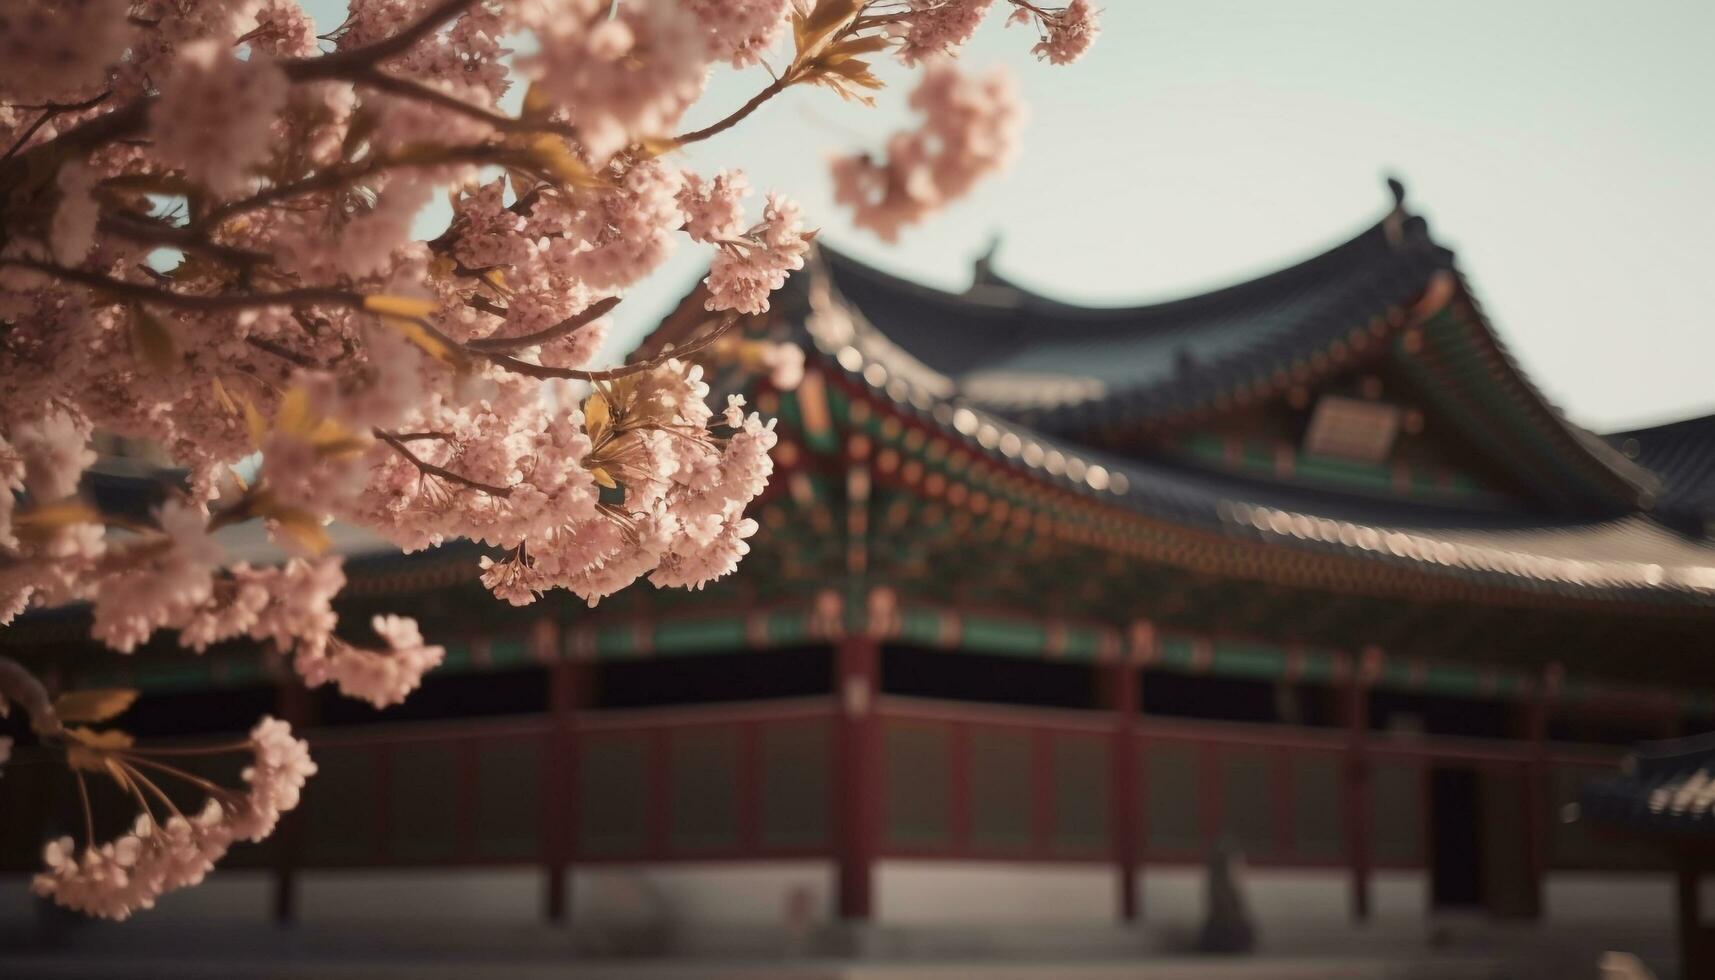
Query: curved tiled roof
1143, 361
1070, 370
1663, 787
1626, 555
1683, 454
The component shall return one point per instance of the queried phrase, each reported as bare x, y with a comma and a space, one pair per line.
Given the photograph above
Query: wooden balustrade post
566, 692
1693, 946
1358, 779
1123, 699
1536, 787
857, 788
294, 706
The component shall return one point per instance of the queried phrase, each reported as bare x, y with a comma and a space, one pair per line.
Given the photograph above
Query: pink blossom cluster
117, 878
970, 129
170, 579
44, 458
714, 209
686, 497
741, 31
746, 270
622, 76
215, 114
381, 678
941, 27
1067, 33
60, 49
212, 247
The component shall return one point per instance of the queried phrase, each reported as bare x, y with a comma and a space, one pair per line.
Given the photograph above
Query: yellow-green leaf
253, 422
61, 514
151, 341
597, 417
650, 147
95, 704
407, 307
342, 447
553, 156
302, 527
293, 416
87, 749
425, 341
868, 44
227, 405
536, 104
812, 31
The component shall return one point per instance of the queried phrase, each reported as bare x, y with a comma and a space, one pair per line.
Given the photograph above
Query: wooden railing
756, 781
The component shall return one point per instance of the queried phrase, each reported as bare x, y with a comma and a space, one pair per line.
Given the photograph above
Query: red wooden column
1123, 698
1358, 778
1536, 785
295, 707
1692, 946
567, 691
857, 788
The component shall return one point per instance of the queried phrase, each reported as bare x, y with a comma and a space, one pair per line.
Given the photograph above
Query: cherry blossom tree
206, 244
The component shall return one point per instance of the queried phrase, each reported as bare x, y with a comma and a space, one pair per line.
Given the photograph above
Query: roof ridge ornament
1394, 223
982, 269
1396, 187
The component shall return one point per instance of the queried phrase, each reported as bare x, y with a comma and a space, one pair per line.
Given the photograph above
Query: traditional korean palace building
1665, 796
1047, 602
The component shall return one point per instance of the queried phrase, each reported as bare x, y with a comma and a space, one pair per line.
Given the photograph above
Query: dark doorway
1455, 838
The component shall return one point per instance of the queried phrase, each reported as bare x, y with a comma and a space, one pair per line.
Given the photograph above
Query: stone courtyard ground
1443, 950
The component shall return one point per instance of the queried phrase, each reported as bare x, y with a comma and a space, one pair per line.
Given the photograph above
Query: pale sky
1562, 148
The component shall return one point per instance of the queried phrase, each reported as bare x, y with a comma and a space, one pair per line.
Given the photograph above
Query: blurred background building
1048, 601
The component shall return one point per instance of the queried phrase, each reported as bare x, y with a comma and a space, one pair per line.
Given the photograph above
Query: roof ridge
997, 292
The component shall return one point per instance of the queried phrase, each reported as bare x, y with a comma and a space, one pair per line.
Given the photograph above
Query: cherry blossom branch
614, 374
88, 813
333, 179
130, 119
786, 79
501, 345
430, 469
19, 686
1025, 4
308, 295
409, 88
281, 351
329, 66
50, 111
148, 232
352, 300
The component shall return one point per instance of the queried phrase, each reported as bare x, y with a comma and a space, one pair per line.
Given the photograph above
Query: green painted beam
1256, 661
722, 635
1014, 638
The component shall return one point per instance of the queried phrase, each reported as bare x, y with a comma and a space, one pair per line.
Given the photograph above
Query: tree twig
149, 232
716, 128
188, 301
410, 88
613, 374
20, 687
50, 111
129, 119
335, 65
430, 469
589, 314
329, 179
